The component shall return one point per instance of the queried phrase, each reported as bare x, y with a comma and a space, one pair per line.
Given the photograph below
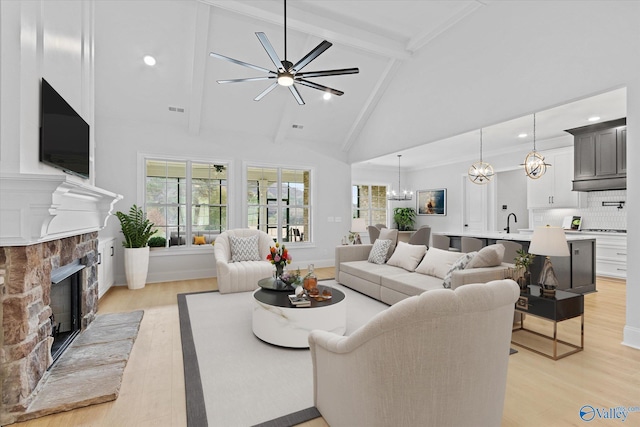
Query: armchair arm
346, 253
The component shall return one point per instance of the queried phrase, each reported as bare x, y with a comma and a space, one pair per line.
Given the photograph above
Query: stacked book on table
299, 301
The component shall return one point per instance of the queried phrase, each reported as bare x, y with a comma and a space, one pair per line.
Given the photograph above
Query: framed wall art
432, 202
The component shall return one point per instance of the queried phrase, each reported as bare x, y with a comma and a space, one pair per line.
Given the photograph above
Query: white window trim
279, 167
140, 196
389, 209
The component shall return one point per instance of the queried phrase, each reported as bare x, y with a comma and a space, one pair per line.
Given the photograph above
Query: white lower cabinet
611, 256
106, 256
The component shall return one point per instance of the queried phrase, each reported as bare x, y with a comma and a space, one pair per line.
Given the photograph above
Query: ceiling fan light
285, 79
326, 96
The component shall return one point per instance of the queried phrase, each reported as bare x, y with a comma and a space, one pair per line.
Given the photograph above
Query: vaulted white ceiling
383, 38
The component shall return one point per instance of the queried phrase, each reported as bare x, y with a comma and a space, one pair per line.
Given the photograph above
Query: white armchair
244, 275
436, 359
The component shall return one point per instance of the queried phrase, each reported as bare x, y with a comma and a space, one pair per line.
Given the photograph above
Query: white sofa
391, 284
244, 275
438, 359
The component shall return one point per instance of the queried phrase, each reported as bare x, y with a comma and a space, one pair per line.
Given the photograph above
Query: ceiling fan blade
270, 51
250, 79
329, 72
319, 87
310, 56
235, 61
266, 91
296, 94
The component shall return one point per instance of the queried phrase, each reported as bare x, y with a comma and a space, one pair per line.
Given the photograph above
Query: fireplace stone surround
25, 285
46, 221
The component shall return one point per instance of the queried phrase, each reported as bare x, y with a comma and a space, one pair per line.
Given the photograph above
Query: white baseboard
631, 337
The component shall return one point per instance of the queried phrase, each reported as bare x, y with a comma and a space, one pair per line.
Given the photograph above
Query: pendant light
480, 172
534, 164
400, 195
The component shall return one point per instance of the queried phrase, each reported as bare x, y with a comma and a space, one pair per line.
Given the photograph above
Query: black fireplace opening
66, 307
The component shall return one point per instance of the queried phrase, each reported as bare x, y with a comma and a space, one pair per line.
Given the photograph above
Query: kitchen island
575, 273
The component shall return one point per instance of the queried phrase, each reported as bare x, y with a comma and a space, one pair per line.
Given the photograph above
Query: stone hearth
25, 285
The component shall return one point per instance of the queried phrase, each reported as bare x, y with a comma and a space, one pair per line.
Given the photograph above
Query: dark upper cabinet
600, 156
622, 150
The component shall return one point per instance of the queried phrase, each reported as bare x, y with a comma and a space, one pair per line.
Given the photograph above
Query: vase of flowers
279, 256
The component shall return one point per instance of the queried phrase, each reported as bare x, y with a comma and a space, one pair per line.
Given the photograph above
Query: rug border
194, 396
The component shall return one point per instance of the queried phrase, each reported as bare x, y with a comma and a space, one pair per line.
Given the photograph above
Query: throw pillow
199, 240
460, 264
389, 234
489, 256
378, 254
407, 256
437, 262
244, 248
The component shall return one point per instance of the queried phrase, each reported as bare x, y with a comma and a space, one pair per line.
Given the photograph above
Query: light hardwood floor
540, 391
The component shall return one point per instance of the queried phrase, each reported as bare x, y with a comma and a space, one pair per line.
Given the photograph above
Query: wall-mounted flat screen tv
64, 135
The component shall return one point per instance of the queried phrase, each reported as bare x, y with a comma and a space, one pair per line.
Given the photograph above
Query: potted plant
404, 217
137, 230
157, 242
522, 262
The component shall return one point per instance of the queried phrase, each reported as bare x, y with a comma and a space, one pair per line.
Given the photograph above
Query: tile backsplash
594, 215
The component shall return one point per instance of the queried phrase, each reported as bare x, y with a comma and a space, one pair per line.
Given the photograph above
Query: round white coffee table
278, 322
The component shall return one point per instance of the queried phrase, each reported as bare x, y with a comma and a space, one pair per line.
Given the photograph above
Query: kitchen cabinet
600, 156
611, 259
553, 190
106, 256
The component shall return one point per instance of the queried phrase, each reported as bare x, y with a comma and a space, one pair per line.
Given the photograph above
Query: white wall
118, 144
40, 39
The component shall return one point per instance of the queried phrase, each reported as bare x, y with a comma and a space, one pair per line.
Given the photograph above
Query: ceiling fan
288, 73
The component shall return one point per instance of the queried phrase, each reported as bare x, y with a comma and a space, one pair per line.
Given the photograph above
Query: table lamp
358, 225
548, 241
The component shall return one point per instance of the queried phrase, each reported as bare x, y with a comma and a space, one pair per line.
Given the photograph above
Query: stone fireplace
46, 222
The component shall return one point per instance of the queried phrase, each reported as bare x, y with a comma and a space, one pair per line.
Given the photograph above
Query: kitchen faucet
515, 219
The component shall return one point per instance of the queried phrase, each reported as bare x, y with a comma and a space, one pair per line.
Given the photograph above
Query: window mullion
189, 205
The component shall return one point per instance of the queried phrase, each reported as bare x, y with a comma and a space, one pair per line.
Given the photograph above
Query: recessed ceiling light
326, 96
522, 135
149, 60
594, 119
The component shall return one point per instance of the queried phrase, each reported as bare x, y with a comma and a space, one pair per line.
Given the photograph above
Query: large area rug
234, 379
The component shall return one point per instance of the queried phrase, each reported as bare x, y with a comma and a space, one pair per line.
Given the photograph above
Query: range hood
600, 184
600, 156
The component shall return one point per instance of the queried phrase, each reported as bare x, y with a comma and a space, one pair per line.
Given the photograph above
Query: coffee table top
281, 299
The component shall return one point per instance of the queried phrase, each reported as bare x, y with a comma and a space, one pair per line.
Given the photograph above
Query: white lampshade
549, 241
358, 225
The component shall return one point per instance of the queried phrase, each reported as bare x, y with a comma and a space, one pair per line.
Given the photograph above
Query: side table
563, 306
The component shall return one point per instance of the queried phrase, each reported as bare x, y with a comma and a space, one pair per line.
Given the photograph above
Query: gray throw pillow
378, 254
244, 248
390, 234
460, 264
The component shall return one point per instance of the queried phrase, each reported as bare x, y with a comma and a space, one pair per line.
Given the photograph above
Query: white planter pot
136, 265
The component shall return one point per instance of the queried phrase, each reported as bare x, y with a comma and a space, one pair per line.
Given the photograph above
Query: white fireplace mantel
37, 208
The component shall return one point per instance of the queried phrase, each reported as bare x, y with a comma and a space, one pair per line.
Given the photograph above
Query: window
369, 202
186, 200
278, 202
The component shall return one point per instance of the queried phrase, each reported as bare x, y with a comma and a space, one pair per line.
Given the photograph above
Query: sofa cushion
460, 264
244, 248
410, 283
437, 262
489, 256
199, 240
407, 256
378, 254
390, 234
368, 271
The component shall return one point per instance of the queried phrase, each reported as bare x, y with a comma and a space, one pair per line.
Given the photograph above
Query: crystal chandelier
400, 195
480, 172
534, 164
